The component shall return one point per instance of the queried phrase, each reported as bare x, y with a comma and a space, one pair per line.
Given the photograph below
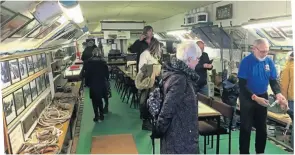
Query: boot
95, 119
146, 125
105, 110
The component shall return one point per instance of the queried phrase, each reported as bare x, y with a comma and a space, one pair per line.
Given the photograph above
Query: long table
127, 73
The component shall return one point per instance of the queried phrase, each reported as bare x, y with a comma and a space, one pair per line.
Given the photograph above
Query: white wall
242, 12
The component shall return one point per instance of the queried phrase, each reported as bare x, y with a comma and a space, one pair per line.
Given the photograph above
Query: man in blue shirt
256, 72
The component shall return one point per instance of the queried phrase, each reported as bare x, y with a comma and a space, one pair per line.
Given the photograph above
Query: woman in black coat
178, 118
96, 73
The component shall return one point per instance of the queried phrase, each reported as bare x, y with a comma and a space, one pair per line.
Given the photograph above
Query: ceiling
152, 11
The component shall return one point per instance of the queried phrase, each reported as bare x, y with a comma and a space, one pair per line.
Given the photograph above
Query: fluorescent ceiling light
74, 13
177, 32
62, 19
268, 22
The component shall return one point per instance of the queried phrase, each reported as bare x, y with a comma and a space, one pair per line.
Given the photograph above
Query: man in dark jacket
87, 53
201, 69
96, 73
143, 43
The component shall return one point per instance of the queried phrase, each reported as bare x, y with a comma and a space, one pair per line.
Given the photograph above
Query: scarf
181, 66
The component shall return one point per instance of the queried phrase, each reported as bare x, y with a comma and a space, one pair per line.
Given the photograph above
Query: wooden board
114, 144
206, 111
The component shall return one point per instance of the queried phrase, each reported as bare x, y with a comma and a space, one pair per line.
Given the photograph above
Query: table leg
218, 136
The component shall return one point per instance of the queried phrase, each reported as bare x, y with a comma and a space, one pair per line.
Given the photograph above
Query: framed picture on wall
44, 60
19, 101
39, 61
287, 31
35, 62
5, 74
33, 89
30, 65
224, 12
23, 68
14, 71
39, 89
9, 108
272, 32
27, 94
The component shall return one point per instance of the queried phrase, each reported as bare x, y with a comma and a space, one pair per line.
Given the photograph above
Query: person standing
149, 57
287, 88
142, 44
256, 72
96, 73
177, 122
202, 67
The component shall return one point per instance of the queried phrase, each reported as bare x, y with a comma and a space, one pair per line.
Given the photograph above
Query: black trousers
97, 106
252, 114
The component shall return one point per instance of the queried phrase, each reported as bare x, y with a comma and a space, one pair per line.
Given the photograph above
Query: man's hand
282, 101
262, 101
208, 66
142, 37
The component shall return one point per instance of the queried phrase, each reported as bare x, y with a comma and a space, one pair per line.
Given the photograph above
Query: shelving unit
27, 82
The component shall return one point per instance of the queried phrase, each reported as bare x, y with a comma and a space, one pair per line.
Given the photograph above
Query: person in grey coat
178, 118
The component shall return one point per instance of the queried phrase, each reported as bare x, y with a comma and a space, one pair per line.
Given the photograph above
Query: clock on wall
224, 12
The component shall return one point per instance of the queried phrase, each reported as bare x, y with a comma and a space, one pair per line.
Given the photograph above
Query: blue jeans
291, 113
204, 90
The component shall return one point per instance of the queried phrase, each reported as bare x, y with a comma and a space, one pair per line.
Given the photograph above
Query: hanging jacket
230, 93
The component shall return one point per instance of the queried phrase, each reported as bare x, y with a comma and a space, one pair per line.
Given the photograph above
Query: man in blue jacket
256, 72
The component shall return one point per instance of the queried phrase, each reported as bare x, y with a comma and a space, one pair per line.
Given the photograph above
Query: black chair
210, 128
204, 99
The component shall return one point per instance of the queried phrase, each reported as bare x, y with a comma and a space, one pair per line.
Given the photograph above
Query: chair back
223, 108
204, 99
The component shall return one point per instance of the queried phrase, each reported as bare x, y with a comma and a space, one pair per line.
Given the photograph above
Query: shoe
101, 118
105, 110
146, 125
95, 119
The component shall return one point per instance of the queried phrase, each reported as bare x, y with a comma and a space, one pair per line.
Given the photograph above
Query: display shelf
24, 54
29, 109
20, 84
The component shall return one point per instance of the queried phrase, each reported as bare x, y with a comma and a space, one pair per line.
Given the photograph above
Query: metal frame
14, 31
18, 30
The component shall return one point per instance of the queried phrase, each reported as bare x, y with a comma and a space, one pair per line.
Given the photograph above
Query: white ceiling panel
151, 11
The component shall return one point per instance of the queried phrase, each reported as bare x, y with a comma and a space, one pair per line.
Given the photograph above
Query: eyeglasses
266, 51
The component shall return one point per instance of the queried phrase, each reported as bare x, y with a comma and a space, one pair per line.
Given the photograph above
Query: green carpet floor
124, 120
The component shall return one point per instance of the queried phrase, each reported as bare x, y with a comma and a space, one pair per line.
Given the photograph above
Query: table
204, 111
127, 73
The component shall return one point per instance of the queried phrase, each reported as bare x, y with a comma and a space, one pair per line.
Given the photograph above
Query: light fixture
177, 32
72, 9
268, 22
62, 19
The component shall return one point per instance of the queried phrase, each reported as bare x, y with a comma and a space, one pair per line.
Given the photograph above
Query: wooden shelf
14, 87
20, 55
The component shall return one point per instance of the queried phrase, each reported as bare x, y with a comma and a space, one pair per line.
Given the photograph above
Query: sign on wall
116, 34
224, 12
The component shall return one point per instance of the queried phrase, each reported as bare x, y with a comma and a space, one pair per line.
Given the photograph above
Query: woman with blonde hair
145, 81
177, 122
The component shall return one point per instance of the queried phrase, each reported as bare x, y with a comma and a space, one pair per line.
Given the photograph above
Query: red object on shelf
74, 67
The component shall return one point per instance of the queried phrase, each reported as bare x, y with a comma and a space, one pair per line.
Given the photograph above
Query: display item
9, 108
30, 65
35, 62
5, 74
29, 121
14, 71
19, 101
44, 60
27, 95
33, 89
16, 137
42, 80
40, 62
39, 87
23, 68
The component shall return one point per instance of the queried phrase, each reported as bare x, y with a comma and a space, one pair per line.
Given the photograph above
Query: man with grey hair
256, 72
